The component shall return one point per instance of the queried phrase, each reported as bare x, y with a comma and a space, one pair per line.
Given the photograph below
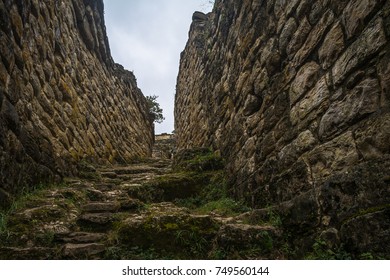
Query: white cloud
147, 37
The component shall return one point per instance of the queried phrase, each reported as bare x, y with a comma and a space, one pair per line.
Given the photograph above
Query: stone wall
295, 96
62, 98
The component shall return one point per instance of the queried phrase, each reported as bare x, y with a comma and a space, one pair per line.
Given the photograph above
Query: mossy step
168, 187
81, 237
104, 186
96, 221
99, 207
128, 170
87, 251
109, 174
164, 226
130, 204
34, 253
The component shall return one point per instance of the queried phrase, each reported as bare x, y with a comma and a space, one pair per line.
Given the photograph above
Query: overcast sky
147, 37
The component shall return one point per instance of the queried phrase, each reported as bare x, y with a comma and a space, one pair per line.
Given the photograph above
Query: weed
196, 244
274, 218
321, 251
218, 254
223, 206
198, 159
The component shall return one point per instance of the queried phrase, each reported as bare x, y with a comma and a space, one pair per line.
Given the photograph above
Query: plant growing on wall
155, 111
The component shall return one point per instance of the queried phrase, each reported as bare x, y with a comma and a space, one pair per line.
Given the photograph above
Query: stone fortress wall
63, 99
295, 96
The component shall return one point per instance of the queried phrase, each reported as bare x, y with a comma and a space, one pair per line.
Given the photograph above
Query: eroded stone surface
60, 93
321, 70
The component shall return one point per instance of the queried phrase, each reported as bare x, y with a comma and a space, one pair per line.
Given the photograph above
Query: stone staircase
102, 217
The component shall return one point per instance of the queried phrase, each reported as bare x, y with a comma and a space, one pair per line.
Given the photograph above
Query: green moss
213, 197
199, 160
366, 211
171, 226
171, 187
223, 206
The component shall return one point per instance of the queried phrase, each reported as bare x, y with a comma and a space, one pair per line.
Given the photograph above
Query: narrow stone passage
129, 212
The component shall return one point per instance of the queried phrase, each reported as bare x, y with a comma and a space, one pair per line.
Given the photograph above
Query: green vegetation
31, 210
321, 251
224, 206
155, 111
198, 160
214, 197
192, 240
25, 198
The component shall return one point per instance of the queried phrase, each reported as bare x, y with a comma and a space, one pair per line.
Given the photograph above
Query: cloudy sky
147, 37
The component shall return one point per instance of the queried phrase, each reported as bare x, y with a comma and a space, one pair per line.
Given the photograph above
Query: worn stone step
87, 250
96, 221
142, 177
95, 195
81, 237
111, 181
168, 227
33, 253
135, 170
104, 187
99, 207
108, 174
130, 204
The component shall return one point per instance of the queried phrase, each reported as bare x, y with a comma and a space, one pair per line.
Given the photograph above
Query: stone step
33, 253
108, 174
128, 170
81, 237
95, 195
130, 204
100, 207
96, 221
86, 251
104, 186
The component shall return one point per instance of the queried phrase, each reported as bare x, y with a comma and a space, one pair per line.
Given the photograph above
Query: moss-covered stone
197, 159
170, 187
167, 227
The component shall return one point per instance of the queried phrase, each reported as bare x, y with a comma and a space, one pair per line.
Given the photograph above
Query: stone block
383, 69
290, 153
371, 41
373, 137
287, 33
334, 156
304, 80
331, 48
298, 38
313, 38
368, 232
363, 100
312, 100
355, 14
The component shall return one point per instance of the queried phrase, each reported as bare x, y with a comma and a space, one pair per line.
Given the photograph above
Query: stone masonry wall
295, 95
62, 98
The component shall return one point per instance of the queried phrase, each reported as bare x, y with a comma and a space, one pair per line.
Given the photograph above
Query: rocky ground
135, 212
